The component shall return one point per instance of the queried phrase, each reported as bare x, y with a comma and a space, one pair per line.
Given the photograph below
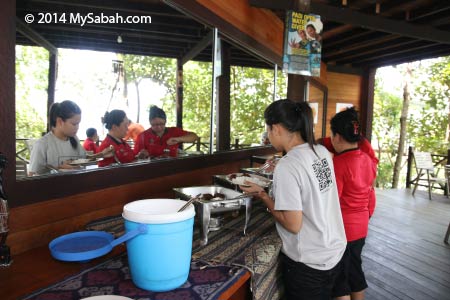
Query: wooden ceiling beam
371, 51
205, 42
347, 16
32, 35
329, 33
420, 14
114, 6
408, 58
159, 36
357, 19
400, 54
358, 46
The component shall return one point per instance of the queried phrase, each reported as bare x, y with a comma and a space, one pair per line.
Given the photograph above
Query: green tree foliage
197, 92
31, 92
158, 69
386, 128
428, 116
427, 122
251, 92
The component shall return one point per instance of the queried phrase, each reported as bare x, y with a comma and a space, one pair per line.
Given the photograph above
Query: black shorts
305, 283
351, 278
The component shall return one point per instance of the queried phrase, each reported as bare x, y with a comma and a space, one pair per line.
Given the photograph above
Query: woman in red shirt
355, 173
116, 122
160, 140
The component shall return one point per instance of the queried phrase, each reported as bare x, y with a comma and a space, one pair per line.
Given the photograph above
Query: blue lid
81, 246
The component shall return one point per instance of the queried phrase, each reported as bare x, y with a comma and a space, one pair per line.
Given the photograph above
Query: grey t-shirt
50, 150
303, 181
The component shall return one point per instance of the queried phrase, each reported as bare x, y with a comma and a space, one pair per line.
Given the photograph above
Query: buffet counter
228, 267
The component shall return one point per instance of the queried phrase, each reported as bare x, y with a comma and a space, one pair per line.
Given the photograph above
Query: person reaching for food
160, 140
56, 149
116, 122
304, 204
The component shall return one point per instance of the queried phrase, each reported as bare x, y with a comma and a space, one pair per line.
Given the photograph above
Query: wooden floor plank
405, 257
412, 259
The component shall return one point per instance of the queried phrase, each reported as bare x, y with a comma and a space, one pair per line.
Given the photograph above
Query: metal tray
185, 193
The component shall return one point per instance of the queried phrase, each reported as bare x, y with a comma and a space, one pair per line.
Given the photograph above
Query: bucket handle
142, 228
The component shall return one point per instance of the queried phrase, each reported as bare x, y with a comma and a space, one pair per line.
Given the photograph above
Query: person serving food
160, 140
57, 149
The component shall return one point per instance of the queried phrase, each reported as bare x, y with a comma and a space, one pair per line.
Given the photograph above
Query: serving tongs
192, 200
261, 170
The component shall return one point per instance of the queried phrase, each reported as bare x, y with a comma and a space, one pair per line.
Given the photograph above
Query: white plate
82, 161
107, 297
240, 179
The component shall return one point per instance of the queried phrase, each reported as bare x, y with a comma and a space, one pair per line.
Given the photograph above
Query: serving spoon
193, 199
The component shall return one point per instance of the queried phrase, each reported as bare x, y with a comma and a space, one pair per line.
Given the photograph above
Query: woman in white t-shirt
305, 203
55, 150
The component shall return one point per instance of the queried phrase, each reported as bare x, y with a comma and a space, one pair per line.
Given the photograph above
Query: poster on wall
342, 106
302, 44
315, 110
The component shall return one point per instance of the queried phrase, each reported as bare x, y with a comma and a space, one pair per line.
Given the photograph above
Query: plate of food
82, 161
241, 178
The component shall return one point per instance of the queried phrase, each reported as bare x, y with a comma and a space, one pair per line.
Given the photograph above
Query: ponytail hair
64, 110
346, 123
294, 116
114, 117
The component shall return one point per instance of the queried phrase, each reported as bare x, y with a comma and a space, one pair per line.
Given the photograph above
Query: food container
206, 208
160, 258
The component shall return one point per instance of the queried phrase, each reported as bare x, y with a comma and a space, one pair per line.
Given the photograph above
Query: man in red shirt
90, 144
160, 140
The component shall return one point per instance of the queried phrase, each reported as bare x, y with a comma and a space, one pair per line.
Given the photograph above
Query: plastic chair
425, 172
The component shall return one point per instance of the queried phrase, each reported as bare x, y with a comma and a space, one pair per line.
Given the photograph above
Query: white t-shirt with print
50, 150
304, 181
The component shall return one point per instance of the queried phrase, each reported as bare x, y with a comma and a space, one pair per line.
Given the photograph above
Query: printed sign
302, 44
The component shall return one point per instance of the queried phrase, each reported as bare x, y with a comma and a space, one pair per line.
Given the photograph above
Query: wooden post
198, 144
223, 104
408, 169
52, 75
7, 88
367, 101
179, 101
296, 88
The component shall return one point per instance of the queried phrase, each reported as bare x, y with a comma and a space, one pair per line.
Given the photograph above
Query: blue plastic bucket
159, 259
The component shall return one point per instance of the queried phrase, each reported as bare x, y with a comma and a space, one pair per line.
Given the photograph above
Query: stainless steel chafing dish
205, 208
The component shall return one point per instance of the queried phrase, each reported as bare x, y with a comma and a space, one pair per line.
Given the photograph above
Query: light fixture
302, 6
377, 7
119, 39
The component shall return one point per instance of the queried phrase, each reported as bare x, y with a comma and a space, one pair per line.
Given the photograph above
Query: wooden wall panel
261, 24
342, 88
37, 224
7, 85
